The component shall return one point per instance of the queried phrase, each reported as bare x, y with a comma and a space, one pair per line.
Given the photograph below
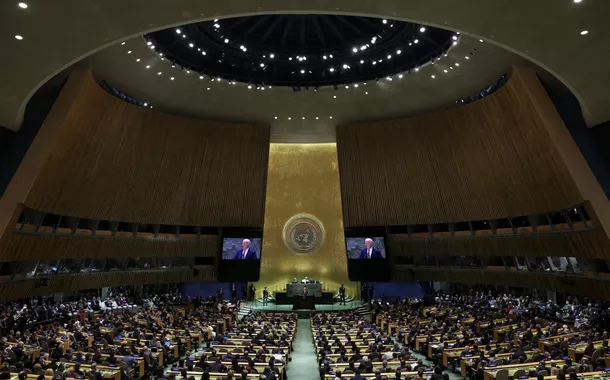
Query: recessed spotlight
271, 55
584, 32
332, 69
422, 29
215, 20
188, 71
262, 65
138, 60
334, 96
148, 66
159, 73
204, 53
374, 62
345, 66
432, 76
457, 64
129, 52
389, 56
289, 118
388, 78
398, 51
201, 77
451, 67
384, 21
417, 69
416, 41
455, 42
242, 47
23, 6
363, 47
324, 57
18, 37
400, 76
366, 93
276, 118
361, 61
576, 1
145, 104
330, 117
303, 117
184, 36
122, 43
208, 89
480, 40
467, 57
356, 85
172, 78
355, 50
290, 58
191, 45
148, 43
445, 71
226, 40
302, 71
178, 31
152, 46
455, 38
216, 26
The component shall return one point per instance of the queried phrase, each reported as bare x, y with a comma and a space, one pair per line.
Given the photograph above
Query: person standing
265, 296
364, 292
233, 291
371, 291
252, 291
342, 294
244, 291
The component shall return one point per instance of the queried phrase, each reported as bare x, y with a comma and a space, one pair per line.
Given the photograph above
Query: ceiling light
138, 60
400, 76
363, 47
410, 43
480, 40
317, 118
416, 41
330, 117
271, 55
374, 62
216, 26
184, 36
454, 38
451, 67
290, 59
129, 52
219, 79
389, 56
201, 77
347, 87
467, 57
388, 78
356, 85
303, 117
361, 61
334, 96
331, 69
417, 69
422, 29
188, 71
289, 118
445, 70
384, 21
204, 53
172, 78
302, 71
576, 1
457, 64
330, 55
178, 31
345, 66
262, 65
159, 73
584, 32
152, 46
398, 51
122, 43
276, 118
215, 20
355, 50
366, 93
208, 89
324, 57
148, 66
191, 45
242, 47
18, 37
226, 40
148, 43
432, 76
23, 5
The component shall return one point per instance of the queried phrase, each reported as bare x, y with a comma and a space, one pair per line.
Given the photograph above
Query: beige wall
303, 179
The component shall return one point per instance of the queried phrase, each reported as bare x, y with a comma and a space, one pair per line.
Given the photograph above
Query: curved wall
489, 159
115, 161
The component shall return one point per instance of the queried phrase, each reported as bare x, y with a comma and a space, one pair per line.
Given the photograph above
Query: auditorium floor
304, 365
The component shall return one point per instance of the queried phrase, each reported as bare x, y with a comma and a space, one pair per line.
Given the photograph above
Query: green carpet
304, 365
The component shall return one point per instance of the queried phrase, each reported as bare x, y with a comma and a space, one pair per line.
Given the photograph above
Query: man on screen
245, 253
370, 252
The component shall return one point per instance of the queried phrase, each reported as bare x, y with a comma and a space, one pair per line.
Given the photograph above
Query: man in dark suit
265, 296
357, 376
245, 253
305, 292
370, 252
342, 294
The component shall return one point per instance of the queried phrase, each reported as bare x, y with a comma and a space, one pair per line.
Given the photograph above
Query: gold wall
303, 179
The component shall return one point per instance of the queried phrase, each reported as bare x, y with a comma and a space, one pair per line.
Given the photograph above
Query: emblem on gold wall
303, 233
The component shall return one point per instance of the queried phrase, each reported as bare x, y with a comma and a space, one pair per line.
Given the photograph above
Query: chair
529, 360
596, 355
518, 373
44, 346
544, 372
502, 374
516, 361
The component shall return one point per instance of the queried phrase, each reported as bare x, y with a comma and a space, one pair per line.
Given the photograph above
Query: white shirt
370, 251
245, 253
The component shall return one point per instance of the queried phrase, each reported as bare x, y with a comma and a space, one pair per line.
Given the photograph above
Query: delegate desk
294, 290
403, 375
490, 372
223, 376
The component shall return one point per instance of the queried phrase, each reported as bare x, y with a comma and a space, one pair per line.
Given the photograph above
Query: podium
295, 290
307, 302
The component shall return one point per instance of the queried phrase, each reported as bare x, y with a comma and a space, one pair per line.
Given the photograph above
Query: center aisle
304, 365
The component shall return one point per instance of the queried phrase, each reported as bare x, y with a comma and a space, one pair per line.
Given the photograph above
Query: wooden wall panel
591, 244
489, 159
24, 247
116, 161
17, 290
586, 286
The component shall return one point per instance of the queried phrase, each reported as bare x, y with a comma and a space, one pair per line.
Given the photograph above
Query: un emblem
303, 234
